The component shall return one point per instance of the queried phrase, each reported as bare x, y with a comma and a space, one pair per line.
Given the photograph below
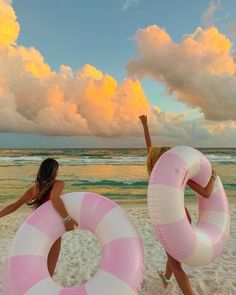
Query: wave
126, 197
221, 158
71, 158
110, 182
21, 158
79, 160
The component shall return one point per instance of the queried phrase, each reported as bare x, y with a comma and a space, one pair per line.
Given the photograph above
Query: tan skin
172, 265
60, 208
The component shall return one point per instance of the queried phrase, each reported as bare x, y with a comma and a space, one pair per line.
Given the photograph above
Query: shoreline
131, 204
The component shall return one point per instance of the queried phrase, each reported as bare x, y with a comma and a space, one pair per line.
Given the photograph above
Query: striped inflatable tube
192, 245
121, 266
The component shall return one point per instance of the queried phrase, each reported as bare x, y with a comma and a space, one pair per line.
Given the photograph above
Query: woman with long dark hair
46, 187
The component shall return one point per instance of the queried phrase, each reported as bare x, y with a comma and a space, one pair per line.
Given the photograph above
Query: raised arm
60, 207
148, 140
27, 196
203, 191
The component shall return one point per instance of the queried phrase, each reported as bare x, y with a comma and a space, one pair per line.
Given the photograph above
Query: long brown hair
44, 181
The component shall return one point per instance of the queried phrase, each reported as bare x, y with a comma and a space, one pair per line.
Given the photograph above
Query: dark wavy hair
44, 181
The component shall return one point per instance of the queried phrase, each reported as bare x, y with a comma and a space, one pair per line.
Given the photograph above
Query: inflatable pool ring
192, 245
121, 266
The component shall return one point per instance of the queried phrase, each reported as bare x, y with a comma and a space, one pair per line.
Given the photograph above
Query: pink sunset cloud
200, 70
35, 99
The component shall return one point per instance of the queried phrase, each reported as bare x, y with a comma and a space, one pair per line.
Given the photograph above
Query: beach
80, 255
121, 176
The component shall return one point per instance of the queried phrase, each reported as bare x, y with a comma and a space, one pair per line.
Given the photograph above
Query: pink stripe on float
73, 291
205, 170
216, 202
178, 238
93, 209
170, 170
124, 259
47, 220
22, 272
217, 236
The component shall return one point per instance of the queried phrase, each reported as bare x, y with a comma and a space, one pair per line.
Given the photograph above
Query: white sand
79, 258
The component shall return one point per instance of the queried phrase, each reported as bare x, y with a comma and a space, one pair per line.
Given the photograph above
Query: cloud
176, 129
8, 1
8, 24
208, 15
35, 99
233, 29
199, 71
67, 102
129, 3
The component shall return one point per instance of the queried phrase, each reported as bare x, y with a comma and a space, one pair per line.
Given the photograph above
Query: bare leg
167, 274
180, 276
168, 270
53, 256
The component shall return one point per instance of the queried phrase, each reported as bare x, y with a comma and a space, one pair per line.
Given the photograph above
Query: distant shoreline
126, 204
100, 148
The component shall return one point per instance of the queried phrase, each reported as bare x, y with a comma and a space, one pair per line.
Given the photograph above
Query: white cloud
129, 3
208, 15
199, 71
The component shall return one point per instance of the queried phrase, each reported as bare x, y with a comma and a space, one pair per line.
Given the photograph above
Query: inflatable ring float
121, 266
192, 245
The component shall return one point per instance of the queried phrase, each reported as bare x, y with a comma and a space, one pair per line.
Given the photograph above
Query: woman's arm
59, 205
148, 140
27, 196
203, 191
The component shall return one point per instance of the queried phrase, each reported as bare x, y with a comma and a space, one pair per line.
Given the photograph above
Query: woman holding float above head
172, 265
46, 188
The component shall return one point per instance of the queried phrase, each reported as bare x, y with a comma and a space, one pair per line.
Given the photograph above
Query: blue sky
100, 32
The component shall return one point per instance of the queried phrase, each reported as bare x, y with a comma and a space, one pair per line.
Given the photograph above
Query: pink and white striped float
192, 245
121, 266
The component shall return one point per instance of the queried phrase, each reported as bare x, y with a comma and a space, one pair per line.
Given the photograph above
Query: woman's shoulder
32, 192
59, 183
57, 189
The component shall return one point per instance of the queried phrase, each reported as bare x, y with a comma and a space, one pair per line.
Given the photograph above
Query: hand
143, 119
213, 174
70, 225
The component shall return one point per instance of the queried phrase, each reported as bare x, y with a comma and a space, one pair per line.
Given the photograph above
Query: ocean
119, 174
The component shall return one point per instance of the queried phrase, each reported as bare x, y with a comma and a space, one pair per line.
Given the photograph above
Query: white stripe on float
46, 287
219, 219
106, 283
30, 241
73, 203
114, 225
165, 204
190, 156
203, 252
217, 185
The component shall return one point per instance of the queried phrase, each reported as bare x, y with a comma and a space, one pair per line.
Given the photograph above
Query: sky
79, 73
